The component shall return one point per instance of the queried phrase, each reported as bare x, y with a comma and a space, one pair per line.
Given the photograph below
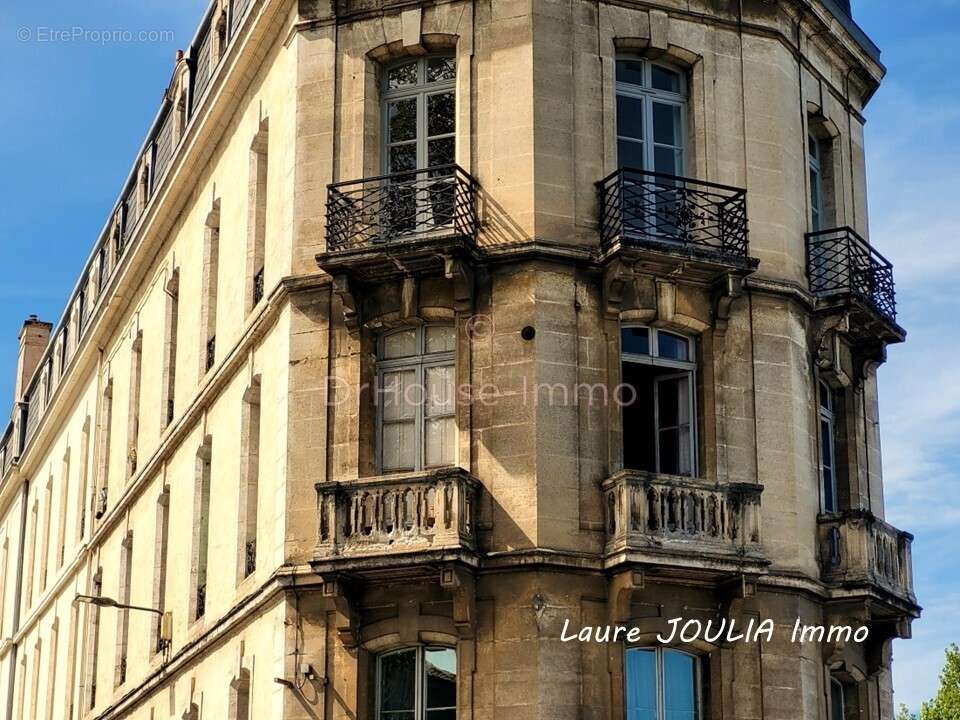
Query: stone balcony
682, 526
861, 554
396, 524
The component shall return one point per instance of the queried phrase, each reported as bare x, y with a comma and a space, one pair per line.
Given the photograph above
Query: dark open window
658, 403
417, 683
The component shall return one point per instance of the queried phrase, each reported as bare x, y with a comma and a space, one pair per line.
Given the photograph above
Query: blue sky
76, 112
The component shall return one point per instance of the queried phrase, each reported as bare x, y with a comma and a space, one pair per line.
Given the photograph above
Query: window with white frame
651, 116
416, 405
658, 401
417, 683
419, 113
662, 684
828, 450
814, 153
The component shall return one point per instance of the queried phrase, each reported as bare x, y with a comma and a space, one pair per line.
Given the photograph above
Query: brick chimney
34, 337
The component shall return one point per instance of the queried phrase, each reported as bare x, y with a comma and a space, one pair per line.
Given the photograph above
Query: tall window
160, 565
123, 624
249, 479
201, 531
62, 511
662, 684
103, 464
35, 683
208, 302
133, 412
47, 521
415, 379
838, 709
52, 665
93, 642
417, 684
420, 113
658, 401
4, 560
69, 694
828, 450
83, 492
32, 557
651, 116
419, 116
171, 321
814, 151
257, 215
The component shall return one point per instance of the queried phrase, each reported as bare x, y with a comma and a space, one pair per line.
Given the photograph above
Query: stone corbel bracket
343, 289
462, 586
620, 589
726, 291
462, 275
339, 595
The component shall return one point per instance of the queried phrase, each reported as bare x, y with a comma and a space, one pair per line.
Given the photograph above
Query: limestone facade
203, 434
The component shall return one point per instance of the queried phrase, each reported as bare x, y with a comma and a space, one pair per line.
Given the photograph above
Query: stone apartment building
421, 329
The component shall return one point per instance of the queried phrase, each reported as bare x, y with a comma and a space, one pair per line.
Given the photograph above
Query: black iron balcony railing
402, 206
638, 207
841, 263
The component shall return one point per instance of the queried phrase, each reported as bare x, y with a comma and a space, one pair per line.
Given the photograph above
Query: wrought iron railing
638, 207
401, 206
841, 263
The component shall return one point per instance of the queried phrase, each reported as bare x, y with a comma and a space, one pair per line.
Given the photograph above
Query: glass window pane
441, 118
663, 78
674, 347
630, 154
440, 442
641, 673
402, 120
667, 160
440, 338
666, 124
824, 396
440, 670
629, 117
402, 75
403, 158
399, 395
837, 709
630, 71
679, 686
399, 446
440, 152
402, 343
439, 391
398, 687
635, 340
441, 69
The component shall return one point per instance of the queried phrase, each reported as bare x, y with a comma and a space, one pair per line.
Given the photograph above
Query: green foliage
904, 714
946, 705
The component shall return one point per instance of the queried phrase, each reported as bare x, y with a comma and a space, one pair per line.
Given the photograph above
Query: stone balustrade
421, 512
679, 520
857, 548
